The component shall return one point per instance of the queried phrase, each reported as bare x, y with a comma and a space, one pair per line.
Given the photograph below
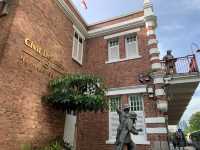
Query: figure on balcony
169, 63
3, 7
193, 65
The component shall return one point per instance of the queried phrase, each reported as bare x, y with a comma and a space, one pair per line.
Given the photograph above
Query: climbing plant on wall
77, 93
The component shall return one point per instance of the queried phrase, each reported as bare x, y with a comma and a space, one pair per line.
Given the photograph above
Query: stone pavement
185, 148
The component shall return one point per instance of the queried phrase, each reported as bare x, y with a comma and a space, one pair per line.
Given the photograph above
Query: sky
178, 27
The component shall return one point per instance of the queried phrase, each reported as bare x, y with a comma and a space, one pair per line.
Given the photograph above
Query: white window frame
113, 118
77, 54
110, 59
136, 44
139, 110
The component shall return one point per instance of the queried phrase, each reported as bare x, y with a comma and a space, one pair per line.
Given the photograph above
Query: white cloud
172, 27
192, 4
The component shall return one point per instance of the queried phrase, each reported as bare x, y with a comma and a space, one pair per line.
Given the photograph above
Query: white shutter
80, 53
113, 50
131, 47
114, 53
77, 52
75, 48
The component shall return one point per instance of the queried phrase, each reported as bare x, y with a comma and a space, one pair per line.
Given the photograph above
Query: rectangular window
136, 103
113, 50
78, 43
114, 103
131, 46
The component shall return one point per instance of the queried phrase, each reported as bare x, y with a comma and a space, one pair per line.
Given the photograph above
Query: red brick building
43, 39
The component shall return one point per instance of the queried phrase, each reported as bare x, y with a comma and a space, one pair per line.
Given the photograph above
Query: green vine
77, 93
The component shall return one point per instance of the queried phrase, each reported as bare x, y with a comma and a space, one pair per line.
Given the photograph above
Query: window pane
80, 52
76, 35
136, 103
75, 49
131, 46
115, 102
77, 52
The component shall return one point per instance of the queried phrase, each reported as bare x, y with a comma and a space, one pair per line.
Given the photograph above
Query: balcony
181, 83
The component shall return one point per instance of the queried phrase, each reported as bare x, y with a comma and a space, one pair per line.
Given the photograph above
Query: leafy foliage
76, 92
194, 123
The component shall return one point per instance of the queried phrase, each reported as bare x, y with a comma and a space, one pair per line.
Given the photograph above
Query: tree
76, 93
194, 123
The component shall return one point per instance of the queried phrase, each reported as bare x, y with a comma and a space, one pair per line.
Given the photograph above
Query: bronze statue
169, 63
126, 127
3, 7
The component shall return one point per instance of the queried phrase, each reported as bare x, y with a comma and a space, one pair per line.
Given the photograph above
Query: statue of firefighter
126, 128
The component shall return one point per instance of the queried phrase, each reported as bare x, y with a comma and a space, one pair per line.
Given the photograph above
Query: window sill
124, 59
142, 142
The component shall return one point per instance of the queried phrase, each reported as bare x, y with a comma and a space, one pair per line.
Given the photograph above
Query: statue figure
3, 7
126, 127
169, 63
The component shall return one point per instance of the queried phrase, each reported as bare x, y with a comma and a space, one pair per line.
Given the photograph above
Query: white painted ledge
154, 51
151, 32
126, 90
121, 33
155, 58
156, 66
156, 130
155, 120
152, 41
160, 92
124, 59
158, 80
141, 142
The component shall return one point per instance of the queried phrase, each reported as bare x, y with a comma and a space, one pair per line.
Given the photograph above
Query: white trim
114, 18
156, 130
154, 51
151, 32
156, 66
132, 23
121, 33
117, 27
182, 79
155, 58
159, 92
149, 23
158, 80
152, 41
126, 90
70, 14
155, 120
123, 59
142, 142
79, 32
162, 105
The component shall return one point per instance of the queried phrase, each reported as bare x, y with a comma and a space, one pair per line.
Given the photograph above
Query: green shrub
26, 147
53, 146
77, 93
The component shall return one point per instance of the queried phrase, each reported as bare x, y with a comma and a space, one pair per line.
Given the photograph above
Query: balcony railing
180, 65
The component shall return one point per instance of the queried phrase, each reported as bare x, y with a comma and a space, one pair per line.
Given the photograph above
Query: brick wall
24, 119
117, 74
93, 127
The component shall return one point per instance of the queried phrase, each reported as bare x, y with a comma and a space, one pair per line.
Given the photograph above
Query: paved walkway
185, 148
